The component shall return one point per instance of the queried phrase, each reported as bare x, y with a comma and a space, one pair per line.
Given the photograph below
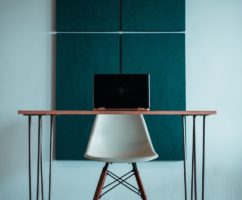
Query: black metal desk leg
29, 149
203, 164
192, 186
41, 164
50, 156
194, 156
184, 156
194, 170
39, 158
37, 189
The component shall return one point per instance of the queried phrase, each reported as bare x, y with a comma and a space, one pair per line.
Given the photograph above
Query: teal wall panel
153, 15
163, 57
78, 57
87, 15
104, 15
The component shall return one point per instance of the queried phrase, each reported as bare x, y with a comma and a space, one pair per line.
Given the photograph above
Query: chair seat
132, 158
120, 138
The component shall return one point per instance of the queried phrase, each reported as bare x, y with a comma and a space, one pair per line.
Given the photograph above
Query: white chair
120, 139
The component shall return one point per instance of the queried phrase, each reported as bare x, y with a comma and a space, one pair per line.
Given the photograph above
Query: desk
52, 113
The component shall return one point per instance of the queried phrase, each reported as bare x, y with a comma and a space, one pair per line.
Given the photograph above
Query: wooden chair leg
139, 182
101, 182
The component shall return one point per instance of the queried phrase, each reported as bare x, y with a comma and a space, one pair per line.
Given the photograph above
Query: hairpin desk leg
41, 165
192, 186
29, 154
40, 174
203, 164
50, 156
194, 156
184, 156
39, 158
194, 168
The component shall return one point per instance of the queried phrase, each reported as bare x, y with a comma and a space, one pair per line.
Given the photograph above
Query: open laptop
122, 91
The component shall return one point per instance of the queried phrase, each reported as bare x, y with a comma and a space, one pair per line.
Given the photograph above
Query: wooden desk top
129, 112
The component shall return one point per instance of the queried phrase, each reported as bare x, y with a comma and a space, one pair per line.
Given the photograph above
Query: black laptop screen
121, 91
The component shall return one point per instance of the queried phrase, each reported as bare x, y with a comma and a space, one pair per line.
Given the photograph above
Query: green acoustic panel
153, 15
163, 57
78, 57
87, 15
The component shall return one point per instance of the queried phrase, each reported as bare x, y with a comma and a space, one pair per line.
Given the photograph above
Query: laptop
122, 91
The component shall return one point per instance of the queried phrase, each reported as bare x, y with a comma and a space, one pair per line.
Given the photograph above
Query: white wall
214, 67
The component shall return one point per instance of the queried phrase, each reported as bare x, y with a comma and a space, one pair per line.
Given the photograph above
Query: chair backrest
120, 138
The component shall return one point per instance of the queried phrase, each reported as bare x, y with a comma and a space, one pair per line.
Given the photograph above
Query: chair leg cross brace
119, 181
